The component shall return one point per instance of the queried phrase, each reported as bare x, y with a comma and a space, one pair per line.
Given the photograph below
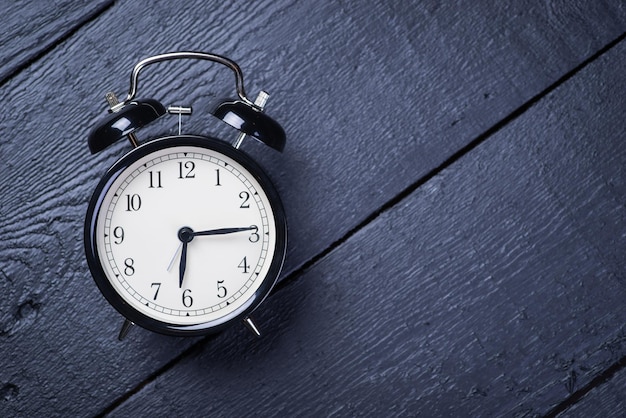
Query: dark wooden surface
31, 29
455, 192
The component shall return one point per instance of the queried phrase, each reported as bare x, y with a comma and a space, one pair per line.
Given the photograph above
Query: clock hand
223, 231
185, 235
183, 265
171, 264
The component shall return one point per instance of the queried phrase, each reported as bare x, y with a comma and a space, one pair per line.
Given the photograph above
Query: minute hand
223, 231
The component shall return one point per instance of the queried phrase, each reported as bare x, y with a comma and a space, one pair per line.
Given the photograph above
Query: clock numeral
129, 268
133, 203
221, 290
217, 173
118, 232
187, 172
245, 196
254, 237
155, 180
187, 299
158, 287
244, 265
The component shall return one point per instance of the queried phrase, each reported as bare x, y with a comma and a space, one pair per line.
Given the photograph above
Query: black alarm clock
185, 234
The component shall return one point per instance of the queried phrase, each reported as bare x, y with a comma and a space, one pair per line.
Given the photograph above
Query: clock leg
247, 321
126, 326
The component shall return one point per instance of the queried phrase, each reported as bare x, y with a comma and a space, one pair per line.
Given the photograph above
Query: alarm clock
185, 234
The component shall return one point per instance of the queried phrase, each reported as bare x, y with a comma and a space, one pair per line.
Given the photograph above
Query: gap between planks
28, 62
597, 381
575, 397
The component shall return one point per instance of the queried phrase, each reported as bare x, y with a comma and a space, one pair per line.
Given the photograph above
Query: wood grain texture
29, 28
480, 294
372, 97
606, 400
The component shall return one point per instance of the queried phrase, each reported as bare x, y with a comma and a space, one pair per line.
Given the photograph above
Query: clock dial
186, 234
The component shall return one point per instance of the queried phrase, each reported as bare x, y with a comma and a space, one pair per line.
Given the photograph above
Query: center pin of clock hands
186, 235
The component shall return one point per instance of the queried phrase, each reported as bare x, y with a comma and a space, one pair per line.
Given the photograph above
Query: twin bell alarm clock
185, 234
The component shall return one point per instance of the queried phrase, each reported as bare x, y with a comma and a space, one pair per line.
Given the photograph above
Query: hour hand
183, 265
185, 235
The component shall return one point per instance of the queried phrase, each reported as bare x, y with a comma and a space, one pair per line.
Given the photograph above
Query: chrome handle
134, 77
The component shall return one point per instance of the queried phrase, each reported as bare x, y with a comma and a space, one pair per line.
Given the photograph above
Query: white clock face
186, 235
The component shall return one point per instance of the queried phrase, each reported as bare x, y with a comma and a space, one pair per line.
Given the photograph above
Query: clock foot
126, 326
247, 321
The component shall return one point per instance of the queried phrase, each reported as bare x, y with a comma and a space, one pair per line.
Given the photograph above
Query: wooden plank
495, 289
605, 400
405, 113
331, 71
32, 27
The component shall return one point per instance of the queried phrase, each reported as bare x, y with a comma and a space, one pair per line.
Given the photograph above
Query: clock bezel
98, 272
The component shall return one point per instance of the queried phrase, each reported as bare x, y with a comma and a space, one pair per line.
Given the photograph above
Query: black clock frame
91, 246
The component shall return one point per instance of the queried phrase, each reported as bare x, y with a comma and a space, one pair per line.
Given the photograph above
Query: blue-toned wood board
31, 28
454, 187
483, 293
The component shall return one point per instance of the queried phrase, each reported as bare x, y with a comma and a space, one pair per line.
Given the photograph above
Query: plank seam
295, 274
79, 25
451, 160
597, 381
194, 348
